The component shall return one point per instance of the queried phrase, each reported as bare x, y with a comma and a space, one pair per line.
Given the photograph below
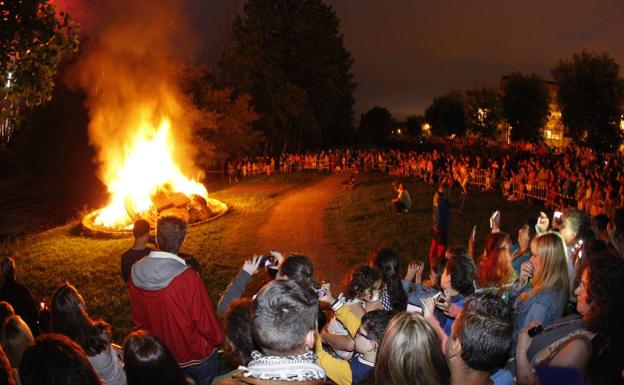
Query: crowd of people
542, 310
539, 308
570, 176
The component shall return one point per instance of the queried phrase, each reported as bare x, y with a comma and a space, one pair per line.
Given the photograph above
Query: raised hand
251, 267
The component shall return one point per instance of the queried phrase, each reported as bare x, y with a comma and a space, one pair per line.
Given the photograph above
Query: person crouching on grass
367, 334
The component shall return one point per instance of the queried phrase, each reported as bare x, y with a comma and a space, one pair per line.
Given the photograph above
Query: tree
33, 42
290, 57
525, 106
446, 115
224, 120
376, 126
483, 112
590, 92
413, 124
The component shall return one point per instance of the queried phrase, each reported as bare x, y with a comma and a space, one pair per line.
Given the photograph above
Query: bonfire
149, 183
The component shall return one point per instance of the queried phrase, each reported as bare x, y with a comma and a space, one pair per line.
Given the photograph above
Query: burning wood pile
148, 184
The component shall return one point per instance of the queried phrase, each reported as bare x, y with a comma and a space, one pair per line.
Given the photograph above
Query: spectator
361, 293
170, 300
457, 282
495, 268
149, 362
544, 298
441, 228
481, 338
70, 318
15, 337
139, 249
56, 360
589, 342
297, 267
284, 327
18, 295
367, 335
392, 295
238, 338
521, 251
403, 201
410, 354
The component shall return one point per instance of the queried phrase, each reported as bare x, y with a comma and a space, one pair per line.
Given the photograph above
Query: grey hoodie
157, 270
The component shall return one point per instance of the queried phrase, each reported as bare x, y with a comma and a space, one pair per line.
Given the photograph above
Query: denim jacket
545, 307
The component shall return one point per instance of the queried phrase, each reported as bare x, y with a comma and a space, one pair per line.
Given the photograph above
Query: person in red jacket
169, 299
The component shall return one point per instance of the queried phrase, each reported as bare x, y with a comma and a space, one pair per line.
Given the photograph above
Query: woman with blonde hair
542, 290
15, 337
410, 353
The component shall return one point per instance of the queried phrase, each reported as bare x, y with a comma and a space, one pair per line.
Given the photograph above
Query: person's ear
310, 339
374, 345
455, 348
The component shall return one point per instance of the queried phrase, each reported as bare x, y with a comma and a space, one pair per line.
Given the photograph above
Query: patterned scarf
290, 368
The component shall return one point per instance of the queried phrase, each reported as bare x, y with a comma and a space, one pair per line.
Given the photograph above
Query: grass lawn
362, 219
357, 221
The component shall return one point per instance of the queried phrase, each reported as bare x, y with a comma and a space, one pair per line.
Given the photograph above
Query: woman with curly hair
70, 318
591, 342
495, 268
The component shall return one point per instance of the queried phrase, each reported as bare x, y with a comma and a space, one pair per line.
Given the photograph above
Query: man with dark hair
284, 327
18, 296
55, 359
480, 340
169, 299
139, 249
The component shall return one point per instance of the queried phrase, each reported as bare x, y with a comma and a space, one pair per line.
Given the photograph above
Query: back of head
7, 266
238, 325
298, 268
361, 279
580, 223
495, 268
68, 317
484, 329
376, 322
462, 270
410, 353
147, 361
140, 228
385, 260
170, 233
285, 311
56, 360
15, 337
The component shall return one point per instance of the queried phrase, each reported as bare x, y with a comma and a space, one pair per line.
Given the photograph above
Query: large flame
147, 166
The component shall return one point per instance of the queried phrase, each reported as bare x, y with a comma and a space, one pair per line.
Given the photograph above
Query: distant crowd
572, 176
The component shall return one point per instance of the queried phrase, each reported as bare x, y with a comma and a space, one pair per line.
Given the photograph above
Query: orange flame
147, 167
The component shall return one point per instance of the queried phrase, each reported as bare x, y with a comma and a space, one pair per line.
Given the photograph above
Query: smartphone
268, 260
474, 232
493, 218
320, 292
557, 215
411, 308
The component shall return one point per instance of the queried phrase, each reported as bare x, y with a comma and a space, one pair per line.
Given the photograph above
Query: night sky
407, 52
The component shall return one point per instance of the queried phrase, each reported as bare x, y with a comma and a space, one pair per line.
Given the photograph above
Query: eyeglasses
359, 333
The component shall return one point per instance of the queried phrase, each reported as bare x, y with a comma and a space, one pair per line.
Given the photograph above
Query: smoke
130, 71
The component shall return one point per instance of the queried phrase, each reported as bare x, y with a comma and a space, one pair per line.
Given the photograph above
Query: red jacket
181, 315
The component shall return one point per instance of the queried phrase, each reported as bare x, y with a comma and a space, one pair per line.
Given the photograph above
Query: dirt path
295, 225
